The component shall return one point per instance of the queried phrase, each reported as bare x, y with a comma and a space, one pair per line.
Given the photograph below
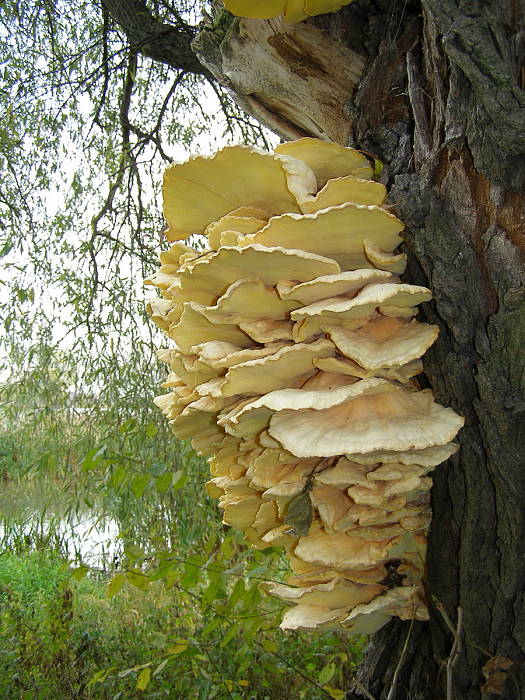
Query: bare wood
294, 78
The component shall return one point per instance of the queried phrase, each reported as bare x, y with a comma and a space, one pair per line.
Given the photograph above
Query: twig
361, 688
294, 668
392, 692
439, 605
105, 65
457, 649
125, 161
219, 672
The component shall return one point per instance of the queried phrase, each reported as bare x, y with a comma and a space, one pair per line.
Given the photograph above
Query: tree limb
161, 42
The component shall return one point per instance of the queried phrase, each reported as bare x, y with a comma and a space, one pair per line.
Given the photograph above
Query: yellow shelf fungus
293, 370
292, 10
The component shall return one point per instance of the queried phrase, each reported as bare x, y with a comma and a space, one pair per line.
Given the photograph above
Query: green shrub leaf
144, 679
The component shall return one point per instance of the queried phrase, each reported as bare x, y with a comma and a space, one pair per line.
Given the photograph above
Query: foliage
88, 124
81, 631
199, 635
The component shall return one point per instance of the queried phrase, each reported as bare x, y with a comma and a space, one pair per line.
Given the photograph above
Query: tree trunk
441, 103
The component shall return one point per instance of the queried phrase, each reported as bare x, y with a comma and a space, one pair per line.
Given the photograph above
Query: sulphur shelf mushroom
293, 10
293, 364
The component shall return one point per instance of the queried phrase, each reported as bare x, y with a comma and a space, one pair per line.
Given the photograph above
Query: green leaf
93, 458
133, 552
378, 169
7, 247
118, 476
151, 430
115, 585
164, 570
238, 593
134, 669
334, 692
191, 576
163, 482
138, 484
210, 593
143, 679
270, 645
177, 648
79, 572
179, 479
227, 548
251, 628
326, 674
211, 626
160, 667
138, 580
157, 469
230, 634
100, 676
127, 426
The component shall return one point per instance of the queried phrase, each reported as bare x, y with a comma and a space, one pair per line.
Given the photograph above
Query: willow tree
434, 91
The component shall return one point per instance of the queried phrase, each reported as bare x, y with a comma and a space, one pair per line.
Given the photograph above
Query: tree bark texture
457, 173
441, 103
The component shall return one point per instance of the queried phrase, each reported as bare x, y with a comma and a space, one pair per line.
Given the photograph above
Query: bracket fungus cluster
292, 10
293, 369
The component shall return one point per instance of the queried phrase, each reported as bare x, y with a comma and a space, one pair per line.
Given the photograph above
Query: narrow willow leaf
269, 645
138, 484
127, 426
100, 676
151, 430
230, 634
238, 592
179, 479
227, 548
93, 458
118, 476
160, 667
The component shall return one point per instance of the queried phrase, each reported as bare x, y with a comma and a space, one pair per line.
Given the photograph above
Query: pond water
36, 512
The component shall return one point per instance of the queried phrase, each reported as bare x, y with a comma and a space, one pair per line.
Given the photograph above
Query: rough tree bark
455, 160
434, 90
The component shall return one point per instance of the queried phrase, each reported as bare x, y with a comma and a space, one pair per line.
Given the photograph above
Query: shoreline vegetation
169, 606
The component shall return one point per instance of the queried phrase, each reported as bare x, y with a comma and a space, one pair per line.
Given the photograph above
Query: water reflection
36, 513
